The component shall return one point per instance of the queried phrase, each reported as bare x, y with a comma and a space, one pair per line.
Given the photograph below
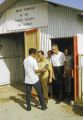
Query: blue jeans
38, 88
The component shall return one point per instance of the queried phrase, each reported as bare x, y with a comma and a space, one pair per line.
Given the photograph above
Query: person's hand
64, 74
44, 70
50, 80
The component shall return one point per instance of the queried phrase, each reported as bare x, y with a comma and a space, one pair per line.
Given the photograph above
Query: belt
57, 66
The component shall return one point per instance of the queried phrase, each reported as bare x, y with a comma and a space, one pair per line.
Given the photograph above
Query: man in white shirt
31, 78
58, 62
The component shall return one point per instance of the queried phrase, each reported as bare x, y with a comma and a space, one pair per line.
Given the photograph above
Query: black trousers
38, 88
59, 82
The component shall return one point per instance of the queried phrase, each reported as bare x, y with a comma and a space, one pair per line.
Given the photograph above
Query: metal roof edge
55, 3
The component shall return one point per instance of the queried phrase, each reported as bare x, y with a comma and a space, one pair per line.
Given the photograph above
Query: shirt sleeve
64, 59
25, 65
51, 60
35, 66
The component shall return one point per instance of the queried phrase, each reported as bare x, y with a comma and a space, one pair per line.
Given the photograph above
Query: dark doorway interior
63, 43
68, 44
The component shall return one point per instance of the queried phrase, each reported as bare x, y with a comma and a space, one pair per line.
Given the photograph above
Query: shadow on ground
21, 100
19, 86
78, 110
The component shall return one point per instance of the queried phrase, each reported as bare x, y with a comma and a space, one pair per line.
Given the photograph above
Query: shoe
28, 109
61, 99
44, 107
46, 101
68, 99
57, 102
49, 95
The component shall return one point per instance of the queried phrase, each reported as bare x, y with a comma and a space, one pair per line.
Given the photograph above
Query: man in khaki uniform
45, 76
51, 87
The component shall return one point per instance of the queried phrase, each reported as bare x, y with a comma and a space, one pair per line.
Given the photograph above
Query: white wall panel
80, 73
80, 44
21, 3
45, 42
3, 23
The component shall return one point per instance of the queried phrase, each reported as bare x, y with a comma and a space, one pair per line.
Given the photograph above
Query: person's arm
25, 65
37, 69
65, 63
72, 66
50, 72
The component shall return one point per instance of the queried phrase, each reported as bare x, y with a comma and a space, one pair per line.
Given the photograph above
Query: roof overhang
75, 4
2, 1
5, 4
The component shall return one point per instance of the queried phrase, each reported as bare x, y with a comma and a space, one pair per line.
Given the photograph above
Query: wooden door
31, 40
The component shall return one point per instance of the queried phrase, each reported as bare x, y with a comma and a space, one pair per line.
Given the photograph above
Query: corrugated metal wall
63, 22
45, 42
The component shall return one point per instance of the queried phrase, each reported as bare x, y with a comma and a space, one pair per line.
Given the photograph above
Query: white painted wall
26, 17
10, 17
80, 65
80, 43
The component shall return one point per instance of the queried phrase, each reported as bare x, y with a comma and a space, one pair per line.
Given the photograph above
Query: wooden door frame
76, 80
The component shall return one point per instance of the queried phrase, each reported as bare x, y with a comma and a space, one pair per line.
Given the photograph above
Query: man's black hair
42, 52
32, 51
55, 45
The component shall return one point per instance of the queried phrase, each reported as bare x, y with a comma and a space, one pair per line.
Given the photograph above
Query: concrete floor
13, 107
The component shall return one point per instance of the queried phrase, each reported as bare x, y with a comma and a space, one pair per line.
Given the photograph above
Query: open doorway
11, 58
66, 43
